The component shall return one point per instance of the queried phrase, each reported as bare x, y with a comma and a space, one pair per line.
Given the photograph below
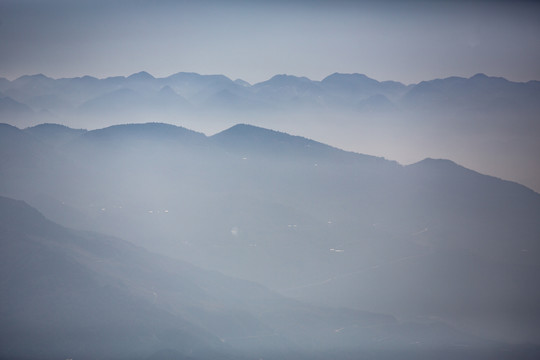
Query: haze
217, 180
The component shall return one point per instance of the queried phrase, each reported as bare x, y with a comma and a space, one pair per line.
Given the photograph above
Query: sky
406, 41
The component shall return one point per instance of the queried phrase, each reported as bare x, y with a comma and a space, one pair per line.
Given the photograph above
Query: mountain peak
246, 130
242, 83
287, 79
249, 133
142, 75
350, 82
31, 79
491, 79
167, 90
51, 126
49, 129
252, 138
433, 161
442, 167
84, 79
190, 76
479, 76
150, 131
35, 77
356, 76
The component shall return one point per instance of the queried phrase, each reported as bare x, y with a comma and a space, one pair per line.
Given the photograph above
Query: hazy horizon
261, 81
407, 41
389, 217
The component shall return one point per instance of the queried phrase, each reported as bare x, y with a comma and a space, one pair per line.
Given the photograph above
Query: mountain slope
57, 299
68, 293
487, 123
430, 240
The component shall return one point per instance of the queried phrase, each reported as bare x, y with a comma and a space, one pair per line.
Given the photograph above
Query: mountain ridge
406, 122
320, 224
237, 131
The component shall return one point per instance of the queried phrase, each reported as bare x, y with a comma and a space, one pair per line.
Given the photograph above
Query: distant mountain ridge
341, 90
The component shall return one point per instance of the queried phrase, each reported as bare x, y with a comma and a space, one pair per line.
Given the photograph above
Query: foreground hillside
427, 241
73, 294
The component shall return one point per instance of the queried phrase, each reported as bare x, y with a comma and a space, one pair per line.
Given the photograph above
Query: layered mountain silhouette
68, 293
432, 240
40, 92
487, 123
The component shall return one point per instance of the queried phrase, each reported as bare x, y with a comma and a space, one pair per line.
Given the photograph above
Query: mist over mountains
191, 91
140, 238
354, 254
322, 180
86, 295
486, 123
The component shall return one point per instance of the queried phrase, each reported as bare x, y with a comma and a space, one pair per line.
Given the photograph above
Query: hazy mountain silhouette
141, 76
289, 91
82, 294
431, 239
242, 82
341, 90
55, 134
66, 294
361, 86
252, 140
479, 93
199, 88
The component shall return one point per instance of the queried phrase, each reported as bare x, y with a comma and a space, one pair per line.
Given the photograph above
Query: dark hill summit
141, 76
54, 134
149, 131
249, 139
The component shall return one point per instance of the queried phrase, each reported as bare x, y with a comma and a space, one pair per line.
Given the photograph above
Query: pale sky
407, 41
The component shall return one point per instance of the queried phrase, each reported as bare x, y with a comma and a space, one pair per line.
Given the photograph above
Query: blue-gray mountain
190, 91
432, 240
75, 294
487, 123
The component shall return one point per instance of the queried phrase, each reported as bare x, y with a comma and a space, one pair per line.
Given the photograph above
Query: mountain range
191, 91
432, 243
486, 123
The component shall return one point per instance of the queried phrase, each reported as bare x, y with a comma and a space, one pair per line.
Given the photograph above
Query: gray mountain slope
428, 240
67, 294
82, 294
